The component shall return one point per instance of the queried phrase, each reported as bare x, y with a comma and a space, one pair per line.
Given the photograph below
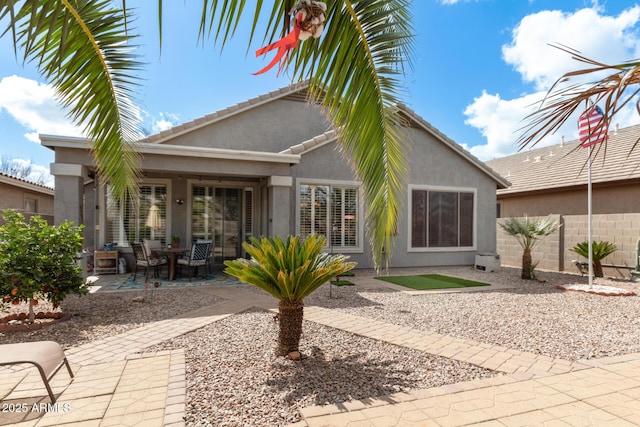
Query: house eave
52, 142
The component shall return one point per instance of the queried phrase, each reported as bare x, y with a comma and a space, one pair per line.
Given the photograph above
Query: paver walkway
117, 384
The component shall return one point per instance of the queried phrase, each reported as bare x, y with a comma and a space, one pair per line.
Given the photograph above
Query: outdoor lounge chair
47, 356
146, 261
198, 257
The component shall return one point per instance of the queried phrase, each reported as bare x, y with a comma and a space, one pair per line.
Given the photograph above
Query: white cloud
166, 121
34, 106
605, 38
610, 39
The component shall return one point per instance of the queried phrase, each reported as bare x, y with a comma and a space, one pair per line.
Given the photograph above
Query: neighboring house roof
564, 165
27, 185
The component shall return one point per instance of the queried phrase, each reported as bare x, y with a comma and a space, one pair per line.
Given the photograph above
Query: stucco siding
270, 128
430, 163
13, 197
605, 200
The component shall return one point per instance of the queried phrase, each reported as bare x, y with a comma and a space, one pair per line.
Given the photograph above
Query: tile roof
20, 182
565, 165
315, 142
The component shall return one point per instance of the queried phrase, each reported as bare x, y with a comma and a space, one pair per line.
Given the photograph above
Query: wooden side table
105, 262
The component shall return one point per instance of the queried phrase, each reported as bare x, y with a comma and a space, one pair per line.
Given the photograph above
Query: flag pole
589, 236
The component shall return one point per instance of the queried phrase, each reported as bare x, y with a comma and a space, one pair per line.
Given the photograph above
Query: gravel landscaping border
234, 379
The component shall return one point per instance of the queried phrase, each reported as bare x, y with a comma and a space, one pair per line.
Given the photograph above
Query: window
442, 218
30, 205
333, 211
128, 223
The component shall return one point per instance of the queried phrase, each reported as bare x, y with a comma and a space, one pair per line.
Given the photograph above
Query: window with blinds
148, 220
332, 211
442, 219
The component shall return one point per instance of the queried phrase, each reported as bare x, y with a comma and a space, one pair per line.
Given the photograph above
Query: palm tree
617, 88
528, 232
290, 271
83, 49
599, 251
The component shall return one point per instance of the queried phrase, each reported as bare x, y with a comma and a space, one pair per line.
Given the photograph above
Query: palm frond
82, 48
288, 270
355, 70
599, 250
616, 89
529, 231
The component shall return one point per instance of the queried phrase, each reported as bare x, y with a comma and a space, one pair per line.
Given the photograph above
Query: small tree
39, 261
528, 232
599, 251
290, 271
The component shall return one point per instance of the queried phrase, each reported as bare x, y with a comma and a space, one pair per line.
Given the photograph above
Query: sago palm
290, 271
599, 251
528, 232
83, 49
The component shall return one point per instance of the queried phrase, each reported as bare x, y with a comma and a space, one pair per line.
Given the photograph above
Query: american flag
591, 131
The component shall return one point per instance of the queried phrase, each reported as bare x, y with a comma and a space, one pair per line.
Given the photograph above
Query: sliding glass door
217, 214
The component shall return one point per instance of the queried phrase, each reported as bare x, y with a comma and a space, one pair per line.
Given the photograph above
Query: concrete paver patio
117, 384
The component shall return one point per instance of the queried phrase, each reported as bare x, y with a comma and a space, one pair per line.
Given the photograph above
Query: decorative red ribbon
285, 44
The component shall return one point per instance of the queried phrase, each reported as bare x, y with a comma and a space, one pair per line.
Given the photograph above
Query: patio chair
47, 356
209, 267
198, 256
146, 261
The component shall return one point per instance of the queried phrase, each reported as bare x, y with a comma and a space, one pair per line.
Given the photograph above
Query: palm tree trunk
526, 264
290, 320
597, 268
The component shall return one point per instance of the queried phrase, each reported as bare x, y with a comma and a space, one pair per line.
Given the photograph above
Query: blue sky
478, 67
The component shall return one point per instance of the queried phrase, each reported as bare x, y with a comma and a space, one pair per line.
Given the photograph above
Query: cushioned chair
146, 261
198, 257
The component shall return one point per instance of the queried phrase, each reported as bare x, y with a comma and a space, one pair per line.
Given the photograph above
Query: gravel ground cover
103, 314
533, 316
234, 377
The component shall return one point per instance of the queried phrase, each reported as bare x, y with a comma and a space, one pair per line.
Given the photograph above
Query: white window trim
330, 183
412, 187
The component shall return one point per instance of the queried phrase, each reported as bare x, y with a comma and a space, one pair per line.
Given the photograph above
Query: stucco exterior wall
13, 197
431, 163
606, 200
272, 128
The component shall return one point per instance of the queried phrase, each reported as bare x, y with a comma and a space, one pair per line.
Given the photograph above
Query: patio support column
279, 188
69, 181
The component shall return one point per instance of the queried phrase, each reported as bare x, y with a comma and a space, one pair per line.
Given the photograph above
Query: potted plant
175, 241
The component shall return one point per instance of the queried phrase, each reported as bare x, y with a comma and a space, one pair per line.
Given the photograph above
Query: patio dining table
171, 252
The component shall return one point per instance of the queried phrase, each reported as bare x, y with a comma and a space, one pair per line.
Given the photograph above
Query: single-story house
26, 197
270, 166
553, 181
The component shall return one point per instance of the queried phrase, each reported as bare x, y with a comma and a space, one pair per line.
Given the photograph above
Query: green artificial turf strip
430, 281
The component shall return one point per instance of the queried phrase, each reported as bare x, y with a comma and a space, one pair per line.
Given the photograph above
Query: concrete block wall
623, 230
554, 252
546, 251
